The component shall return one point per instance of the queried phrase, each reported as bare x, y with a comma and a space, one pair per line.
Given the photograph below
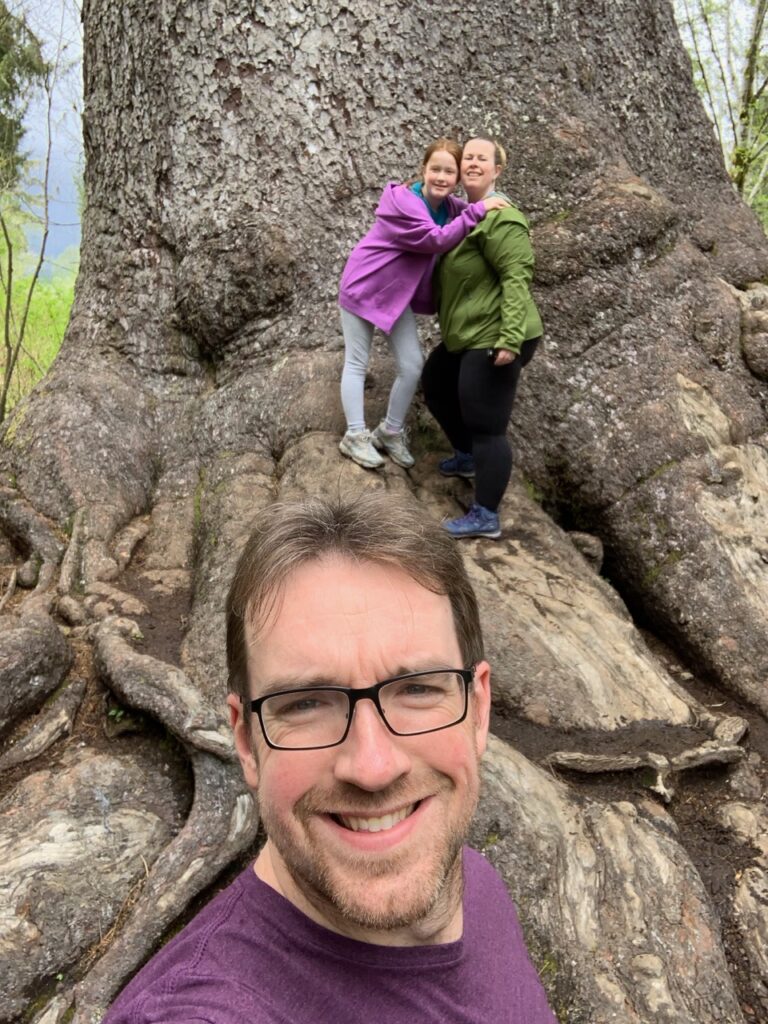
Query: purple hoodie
391, 268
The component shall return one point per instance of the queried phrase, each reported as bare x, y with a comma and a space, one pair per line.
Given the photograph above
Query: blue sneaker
460, 464
478, 522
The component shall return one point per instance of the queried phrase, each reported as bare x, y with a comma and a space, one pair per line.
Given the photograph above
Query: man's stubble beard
346, 895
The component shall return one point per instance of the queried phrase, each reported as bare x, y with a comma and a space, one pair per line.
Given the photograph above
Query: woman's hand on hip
503, 357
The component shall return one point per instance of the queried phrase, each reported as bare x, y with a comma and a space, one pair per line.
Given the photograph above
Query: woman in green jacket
490, 328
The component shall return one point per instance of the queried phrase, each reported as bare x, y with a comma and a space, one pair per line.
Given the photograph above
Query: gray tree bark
235, 152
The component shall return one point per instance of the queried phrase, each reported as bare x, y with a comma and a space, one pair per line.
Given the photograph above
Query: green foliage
21, 68
35, 296
534, 493
39, 304
48, 317
726, 41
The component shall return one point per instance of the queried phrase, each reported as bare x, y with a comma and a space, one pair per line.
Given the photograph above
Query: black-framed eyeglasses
314, 717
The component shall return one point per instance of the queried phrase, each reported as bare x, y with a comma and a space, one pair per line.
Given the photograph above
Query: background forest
40, 100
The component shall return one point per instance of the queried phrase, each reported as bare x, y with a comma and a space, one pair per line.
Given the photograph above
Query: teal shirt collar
439, 216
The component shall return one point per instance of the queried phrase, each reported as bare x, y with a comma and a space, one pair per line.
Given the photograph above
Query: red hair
449, 145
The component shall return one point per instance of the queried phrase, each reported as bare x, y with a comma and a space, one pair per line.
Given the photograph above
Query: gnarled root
53, 722
34, 659
158, 688
223, 822
31, 531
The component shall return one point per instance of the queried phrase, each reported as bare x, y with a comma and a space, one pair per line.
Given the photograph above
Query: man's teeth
375, 824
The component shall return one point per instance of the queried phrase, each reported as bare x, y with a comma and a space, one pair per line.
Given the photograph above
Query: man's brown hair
374, 527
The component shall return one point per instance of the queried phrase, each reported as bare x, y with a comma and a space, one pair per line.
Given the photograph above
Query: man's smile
380, 823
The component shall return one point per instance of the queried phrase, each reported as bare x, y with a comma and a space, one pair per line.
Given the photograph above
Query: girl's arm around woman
402, 220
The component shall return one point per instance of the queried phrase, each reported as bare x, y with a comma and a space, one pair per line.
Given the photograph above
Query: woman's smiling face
479, 169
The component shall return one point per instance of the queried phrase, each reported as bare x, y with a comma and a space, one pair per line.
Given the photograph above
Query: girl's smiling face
440, 177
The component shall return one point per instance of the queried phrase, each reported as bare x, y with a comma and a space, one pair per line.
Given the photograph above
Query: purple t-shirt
251, 957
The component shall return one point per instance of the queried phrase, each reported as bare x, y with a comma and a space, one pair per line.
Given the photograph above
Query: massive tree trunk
235, 151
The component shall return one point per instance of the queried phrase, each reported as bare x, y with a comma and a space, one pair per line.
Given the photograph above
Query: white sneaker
359, 448
394, 445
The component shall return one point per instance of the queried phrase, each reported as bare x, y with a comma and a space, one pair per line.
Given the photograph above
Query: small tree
726, 41
22, 70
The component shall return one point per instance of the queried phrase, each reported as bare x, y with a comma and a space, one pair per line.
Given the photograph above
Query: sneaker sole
469, 536
461, 476
360, 462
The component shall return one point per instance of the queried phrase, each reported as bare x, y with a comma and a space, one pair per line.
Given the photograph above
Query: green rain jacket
483, 286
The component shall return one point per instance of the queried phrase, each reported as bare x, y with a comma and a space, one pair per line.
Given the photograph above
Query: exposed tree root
31, 531
625, 922
56, 1010
222, 823
163, 691
127, 539
53, 722
710, 752
70, 564
9, 590
34, 659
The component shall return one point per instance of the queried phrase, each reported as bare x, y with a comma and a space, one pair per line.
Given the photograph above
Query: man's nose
371, 757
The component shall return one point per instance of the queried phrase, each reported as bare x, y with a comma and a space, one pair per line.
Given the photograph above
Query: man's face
367, 833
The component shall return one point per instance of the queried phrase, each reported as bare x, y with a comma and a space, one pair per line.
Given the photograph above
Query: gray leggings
404, 344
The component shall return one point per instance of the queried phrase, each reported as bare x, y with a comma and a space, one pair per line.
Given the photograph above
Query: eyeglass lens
316, 718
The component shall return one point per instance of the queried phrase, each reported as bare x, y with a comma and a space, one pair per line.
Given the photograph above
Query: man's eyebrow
314, 681
415, 667
294, 683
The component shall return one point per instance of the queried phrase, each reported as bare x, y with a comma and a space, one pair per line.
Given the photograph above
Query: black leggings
472, 400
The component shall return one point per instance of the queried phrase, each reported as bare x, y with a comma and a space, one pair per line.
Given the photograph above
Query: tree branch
10, 360
720, 69
748, 99
46, 206
704, 77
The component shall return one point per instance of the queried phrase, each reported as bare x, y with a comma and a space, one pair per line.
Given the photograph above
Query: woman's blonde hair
499, 153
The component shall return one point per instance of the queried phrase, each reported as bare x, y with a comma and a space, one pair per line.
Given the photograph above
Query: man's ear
481, 704
243, 741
